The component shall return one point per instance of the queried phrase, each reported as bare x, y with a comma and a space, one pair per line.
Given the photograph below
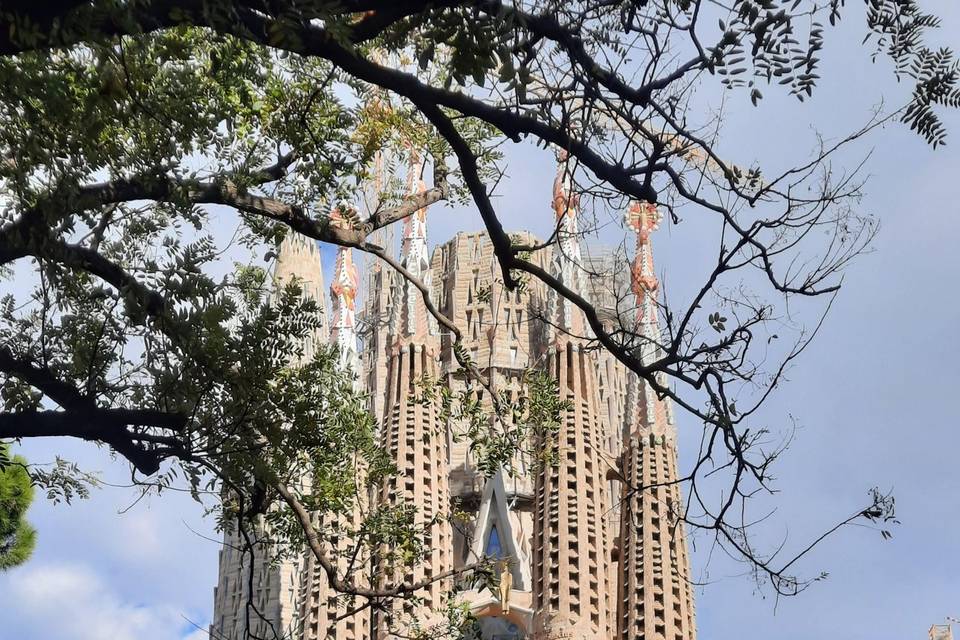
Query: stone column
656, 599
415, 438
570, 571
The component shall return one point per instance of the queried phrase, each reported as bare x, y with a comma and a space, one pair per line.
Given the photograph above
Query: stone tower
324, 613
499, 337
656, 600
276, 585
414, 435
298, 259
377, 301
570, 550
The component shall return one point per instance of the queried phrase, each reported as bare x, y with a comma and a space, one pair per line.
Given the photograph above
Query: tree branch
109, 426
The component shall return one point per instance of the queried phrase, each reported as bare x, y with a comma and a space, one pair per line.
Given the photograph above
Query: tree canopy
17, 537
130, 130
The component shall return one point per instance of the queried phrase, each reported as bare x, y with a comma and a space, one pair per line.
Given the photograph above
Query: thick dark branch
32, 228
227, 193
42, 379
109, 426
70, 22
82, 419
89, 424
137, 296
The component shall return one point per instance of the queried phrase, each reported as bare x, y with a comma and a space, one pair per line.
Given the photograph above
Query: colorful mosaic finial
565, 201
644, 218
343, 290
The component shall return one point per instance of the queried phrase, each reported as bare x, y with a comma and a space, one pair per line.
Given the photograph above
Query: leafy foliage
17, 537
767, 34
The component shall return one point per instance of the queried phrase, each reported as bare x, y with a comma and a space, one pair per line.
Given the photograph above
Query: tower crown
565, 201
644, 218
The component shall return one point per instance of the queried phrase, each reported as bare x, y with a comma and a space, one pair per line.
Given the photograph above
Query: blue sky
873, 397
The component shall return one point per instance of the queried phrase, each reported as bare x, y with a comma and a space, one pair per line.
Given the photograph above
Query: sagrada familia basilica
589, 545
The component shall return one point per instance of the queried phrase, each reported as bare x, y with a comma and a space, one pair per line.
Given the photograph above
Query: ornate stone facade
590, 546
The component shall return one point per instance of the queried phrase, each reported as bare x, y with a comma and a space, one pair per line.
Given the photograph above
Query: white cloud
138, 536
72, 602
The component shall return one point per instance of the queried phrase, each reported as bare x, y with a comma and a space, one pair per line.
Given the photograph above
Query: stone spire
414, 435
570, 567
343, 294
411, 320
567, 262
325, 613
377, 293
644, 218
656, 598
